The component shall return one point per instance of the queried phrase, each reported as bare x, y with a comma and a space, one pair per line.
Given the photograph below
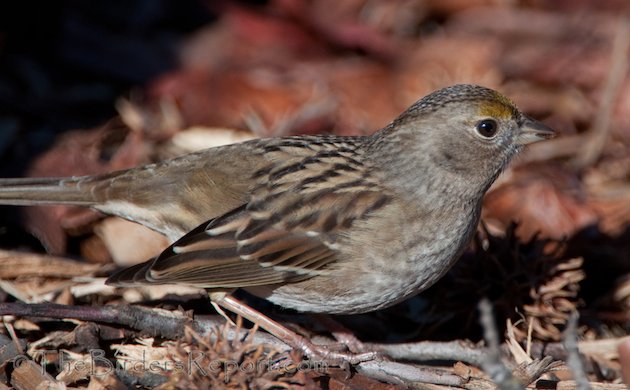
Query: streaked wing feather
304, 200
300, 209
235, 274
212, 260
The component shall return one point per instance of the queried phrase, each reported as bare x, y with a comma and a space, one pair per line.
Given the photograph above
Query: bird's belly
358, 292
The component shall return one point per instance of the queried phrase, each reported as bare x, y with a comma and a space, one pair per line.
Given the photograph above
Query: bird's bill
534, 131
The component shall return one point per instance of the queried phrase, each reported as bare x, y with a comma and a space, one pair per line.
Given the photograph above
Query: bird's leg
310, 350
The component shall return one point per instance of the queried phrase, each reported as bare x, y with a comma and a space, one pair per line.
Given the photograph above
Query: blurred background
89, 87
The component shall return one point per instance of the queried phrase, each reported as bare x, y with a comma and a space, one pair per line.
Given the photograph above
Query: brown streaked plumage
315, 223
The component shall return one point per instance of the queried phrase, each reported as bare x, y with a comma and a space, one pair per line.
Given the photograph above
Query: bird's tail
32, 191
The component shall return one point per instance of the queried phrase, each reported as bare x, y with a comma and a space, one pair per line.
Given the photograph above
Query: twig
599, 133
16, 340
573, 359
154, 322
430, 350
406, 374
492, 363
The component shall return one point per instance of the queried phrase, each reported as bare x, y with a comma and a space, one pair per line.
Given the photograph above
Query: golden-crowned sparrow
315, 223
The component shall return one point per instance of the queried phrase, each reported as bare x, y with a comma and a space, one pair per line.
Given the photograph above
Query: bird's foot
322, 354
330, 355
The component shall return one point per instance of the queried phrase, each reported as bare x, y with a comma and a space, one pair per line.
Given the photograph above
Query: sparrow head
463, 132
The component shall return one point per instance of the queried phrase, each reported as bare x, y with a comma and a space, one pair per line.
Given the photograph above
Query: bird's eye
487, 128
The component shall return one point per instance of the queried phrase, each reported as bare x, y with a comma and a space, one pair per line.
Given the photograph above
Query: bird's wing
289, 229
